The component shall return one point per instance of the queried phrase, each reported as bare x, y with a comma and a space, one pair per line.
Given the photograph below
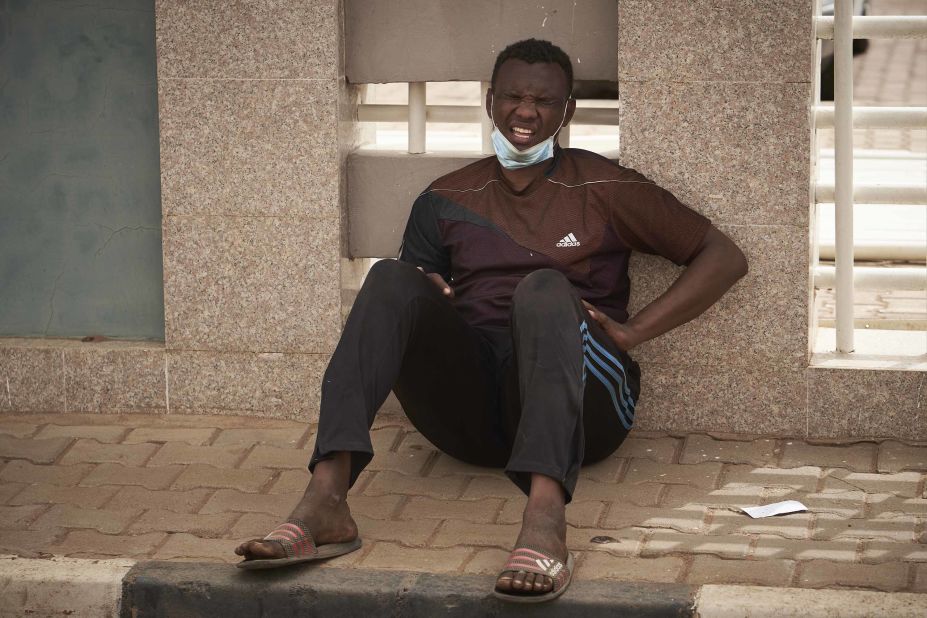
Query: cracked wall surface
80, 203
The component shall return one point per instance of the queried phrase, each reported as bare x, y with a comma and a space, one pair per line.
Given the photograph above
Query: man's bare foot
543, 529
323, 509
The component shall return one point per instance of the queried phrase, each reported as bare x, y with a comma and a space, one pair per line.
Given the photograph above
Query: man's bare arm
717, 264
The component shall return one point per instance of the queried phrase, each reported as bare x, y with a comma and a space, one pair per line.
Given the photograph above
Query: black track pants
545, 396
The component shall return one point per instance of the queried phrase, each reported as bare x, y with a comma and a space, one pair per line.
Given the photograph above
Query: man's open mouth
521, 135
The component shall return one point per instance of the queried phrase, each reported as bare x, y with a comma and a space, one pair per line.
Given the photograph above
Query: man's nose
527, 108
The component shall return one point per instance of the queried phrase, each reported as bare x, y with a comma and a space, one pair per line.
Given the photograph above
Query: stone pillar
715, 106
251, 95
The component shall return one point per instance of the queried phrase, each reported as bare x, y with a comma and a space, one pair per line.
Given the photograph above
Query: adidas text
568, 241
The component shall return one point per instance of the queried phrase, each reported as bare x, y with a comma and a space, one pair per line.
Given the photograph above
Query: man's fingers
597, 315
440, 282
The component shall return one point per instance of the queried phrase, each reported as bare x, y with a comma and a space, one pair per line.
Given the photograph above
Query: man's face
528, 101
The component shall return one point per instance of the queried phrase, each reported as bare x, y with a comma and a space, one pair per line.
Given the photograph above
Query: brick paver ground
666, 506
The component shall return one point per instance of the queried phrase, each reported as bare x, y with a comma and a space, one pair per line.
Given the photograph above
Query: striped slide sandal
297, 543
531, 561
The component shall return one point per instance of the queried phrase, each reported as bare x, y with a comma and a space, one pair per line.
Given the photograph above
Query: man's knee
544, 284
394, 279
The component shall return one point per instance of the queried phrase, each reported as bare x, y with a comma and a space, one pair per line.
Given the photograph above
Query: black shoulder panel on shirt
422, 244
449, 210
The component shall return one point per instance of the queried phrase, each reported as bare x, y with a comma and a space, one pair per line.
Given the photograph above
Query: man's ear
489, 102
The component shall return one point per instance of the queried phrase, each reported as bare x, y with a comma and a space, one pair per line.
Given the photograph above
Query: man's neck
520, 179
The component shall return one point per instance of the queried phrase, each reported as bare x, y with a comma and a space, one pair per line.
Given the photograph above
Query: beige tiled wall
251, 100
715, 107
64, 375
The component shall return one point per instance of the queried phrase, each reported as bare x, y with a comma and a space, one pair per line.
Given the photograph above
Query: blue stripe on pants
613, 381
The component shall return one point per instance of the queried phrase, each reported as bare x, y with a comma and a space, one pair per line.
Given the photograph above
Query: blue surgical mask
511, 158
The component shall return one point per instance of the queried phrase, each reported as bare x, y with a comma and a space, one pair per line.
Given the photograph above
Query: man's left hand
619, 333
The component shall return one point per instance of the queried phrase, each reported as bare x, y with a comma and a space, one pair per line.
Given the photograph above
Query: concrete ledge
443, 40
759, 602
61, 586
75, 587
203, 589
381, 188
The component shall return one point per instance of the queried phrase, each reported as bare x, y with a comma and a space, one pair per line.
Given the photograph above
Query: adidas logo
547, 564
568, 241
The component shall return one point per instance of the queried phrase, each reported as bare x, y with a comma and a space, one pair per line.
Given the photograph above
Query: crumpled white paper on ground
776, 508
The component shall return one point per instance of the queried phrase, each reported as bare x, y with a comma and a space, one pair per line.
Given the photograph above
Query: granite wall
716, 105
251, 100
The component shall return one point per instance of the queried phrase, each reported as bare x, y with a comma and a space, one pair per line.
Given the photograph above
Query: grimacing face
529, 101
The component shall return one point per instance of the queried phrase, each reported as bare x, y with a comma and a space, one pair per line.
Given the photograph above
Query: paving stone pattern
191, 487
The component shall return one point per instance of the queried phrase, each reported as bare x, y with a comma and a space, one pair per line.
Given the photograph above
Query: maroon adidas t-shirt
583, 217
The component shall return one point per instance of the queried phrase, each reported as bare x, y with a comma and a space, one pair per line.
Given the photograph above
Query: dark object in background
860, 7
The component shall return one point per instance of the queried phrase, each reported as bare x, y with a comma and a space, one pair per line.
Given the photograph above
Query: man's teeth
522, 131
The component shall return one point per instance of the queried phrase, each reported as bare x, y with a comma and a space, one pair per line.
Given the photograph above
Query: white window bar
843, 172
417, 116
564, 137
843, 28
875, 117
875, 194
888, 27
383, 112
876, 278
874, 251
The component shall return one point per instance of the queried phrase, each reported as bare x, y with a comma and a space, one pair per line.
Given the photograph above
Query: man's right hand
439, 281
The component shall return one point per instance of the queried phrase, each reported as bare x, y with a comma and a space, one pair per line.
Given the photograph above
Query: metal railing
843, 28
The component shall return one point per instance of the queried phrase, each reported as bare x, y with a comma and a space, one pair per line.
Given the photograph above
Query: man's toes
258, 549
504, 581
523, 582
534, 582
244, 548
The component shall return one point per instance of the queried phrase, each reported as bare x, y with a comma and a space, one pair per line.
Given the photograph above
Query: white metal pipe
874, 278
876, 117
875, 194
843, 168
881, 27
879, 252
380, 112
485, 122
417, 117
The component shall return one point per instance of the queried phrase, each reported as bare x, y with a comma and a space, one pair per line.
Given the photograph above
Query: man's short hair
532, 51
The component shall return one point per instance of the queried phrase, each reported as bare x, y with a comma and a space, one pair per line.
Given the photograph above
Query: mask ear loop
566, 104
492, 106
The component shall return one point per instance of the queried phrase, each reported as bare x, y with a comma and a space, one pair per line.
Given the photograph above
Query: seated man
503, 327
